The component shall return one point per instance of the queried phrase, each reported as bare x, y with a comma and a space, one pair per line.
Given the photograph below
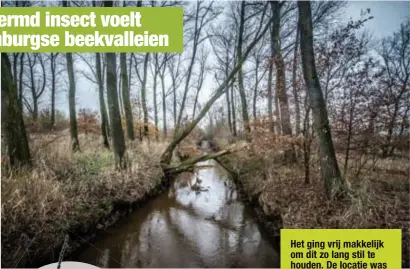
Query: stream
198, 222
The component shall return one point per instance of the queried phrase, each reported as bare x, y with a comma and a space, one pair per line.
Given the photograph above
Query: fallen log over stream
189, 163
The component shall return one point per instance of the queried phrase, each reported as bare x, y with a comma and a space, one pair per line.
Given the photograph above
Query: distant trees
251, 51
143, 82
395, 84
166, 157
222, 42
204, 14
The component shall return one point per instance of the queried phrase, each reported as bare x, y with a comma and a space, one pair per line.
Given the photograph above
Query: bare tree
75, 145
97, 77
257, 56
21, 72
245, 115
395, 52
105, 129
200, 78
155, 72
126, 97
38, 87
222, 42
118, 141
143, 81
329, 166
177, 77
203, 16
164, 92
295, 89
280, 70
54, 73
167, 154
270, 74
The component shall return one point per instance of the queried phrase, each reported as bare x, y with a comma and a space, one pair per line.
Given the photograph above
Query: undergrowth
377, 197
64, 190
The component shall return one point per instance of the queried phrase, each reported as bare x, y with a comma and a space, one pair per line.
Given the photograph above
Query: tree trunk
143, 96
329, 167
103, 110
280, 72
53, 66
233, 111
281, 80
245, 115
155, 96
190, 67
15, 57
270, 82
387, 149
21, 80
164, 105
255, 89
195, 103
113, 107
228, 105
126, 97
75, 145
306, 145
12, 118
201, 79
277, 115
294, 82
71, 99
33, 88
174, 105
119, 91
130, 81
349, 133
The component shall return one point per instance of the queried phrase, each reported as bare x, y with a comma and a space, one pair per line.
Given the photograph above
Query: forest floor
376, 198
65, 191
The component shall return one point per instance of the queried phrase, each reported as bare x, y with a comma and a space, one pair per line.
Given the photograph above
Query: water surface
187, 227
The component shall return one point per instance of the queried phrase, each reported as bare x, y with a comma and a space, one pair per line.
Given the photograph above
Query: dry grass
377, 198
68, 190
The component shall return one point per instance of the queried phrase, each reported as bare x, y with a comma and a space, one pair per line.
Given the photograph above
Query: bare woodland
294, 88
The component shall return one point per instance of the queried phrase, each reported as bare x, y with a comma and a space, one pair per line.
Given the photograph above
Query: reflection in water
186, 228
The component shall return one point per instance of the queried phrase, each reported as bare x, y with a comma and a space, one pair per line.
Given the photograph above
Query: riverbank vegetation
64, 192
307, 108
376, 194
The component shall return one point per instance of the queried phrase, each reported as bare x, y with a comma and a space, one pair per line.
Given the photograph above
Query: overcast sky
388, 15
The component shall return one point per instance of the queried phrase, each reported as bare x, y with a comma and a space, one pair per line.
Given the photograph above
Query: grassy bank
376, 198
64, 191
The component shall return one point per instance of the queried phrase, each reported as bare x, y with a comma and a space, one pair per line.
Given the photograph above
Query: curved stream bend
184, 227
